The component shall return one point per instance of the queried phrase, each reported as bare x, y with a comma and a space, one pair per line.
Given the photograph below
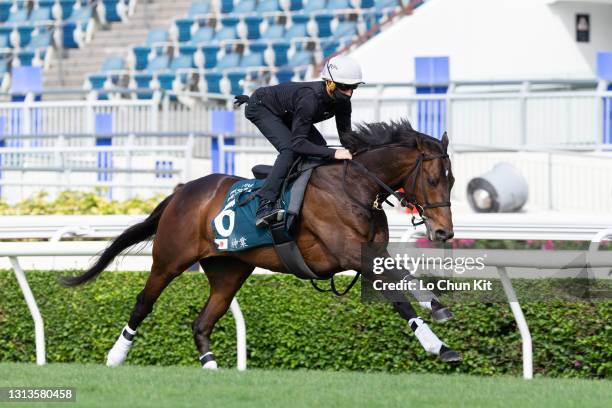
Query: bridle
407, 199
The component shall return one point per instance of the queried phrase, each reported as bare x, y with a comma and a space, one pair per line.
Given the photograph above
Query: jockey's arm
343, 118
301, 130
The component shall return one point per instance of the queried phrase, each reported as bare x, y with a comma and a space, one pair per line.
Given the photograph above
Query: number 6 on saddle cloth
234, 226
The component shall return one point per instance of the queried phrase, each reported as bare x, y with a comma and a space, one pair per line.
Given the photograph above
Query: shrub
291, 326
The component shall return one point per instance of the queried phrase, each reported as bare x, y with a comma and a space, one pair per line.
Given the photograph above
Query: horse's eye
432, 182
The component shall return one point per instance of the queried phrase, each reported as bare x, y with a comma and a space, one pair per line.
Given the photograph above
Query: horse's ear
445, 141
419, 143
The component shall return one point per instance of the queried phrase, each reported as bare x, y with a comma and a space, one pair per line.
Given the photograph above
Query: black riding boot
268, 212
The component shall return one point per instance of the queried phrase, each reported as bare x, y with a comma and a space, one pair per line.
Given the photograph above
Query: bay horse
337, 218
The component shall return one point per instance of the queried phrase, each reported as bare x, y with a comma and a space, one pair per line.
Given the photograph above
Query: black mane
369, 135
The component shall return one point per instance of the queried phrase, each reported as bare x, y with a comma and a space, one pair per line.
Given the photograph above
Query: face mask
340, 98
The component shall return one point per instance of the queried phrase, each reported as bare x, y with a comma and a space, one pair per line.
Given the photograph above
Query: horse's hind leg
225, 276
159, 278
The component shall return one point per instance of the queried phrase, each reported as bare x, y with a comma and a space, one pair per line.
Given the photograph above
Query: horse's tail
133, 235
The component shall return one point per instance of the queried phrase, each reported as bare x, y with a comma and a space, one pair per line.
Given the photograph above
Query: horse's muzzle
443, 235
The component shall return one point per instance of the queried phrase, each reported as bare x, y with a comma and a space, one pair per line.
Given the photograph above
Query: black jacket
302, 104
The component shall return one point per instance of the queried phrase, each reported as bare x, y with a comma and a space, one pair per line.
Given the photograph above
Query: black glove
239, 100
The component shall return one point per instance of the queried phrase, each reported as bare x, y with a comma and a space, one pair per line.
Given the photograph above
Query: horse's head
429, 185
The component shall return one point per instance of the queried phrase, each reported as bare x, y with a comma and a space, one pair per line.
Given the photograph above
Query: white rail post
131, 143
221, 147
240, 335
521, 322
189, 147
39, 326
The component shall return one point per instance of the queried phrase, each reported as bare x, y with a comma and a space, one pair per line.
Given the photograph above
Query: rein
406, 199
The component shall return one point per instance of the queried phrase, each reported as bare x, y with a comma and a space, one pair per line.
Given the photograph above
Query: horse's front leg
427, 299
428, 339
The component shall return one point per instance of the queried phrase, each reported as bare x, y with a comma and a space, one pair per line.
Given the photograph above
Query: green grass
174, 386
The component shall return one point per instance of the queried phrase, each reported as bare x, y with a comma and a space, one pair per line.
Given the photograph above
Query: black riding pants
279, 134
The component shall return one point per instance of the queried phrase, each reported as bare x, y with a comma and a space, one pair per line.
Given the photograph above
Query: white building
492, 40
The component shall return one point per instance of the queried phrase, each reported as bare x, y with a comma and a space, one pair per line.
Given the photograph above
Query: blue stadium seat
160, 63
252, 60
210, 52
366, 4
274, 32
329, 47
267, 6
79, 20
111, 11
141, 57
257, 47
338, 5
297, 30
226, 33
213, 82
183, 26
181, 62
324, 24
111, 69
385, 4
284, 75
67, 7
301, 58
295, 5
235, 79
5, 42
244, 7
314, 5
18, 17
156, 36
372, 18
36, 49
252, 24
40, 15
5, 9
230, 60
157, 65
5, 31
113, 64
346, 29
202, 36
280, 49
198, 8
227, 6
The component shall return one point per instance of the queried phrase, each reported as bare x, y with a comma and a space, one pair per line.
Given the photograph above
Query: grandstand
209, 46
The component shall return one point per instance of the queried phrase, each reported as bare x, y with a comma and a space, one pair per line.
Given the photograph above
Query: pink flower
548, 245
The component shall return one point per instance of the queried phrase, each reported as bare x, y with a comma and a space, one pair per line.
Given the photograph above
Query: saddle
282, 231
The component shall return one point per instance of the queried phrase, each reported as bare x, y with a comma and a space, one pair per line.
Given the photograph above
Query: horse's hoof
210, 365
208, 361
441, 315
448, 355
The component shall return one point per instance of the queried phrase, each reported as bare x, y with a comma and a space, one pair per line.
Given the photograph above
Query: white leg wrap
118, 354
425, 305
209, 365
430, 342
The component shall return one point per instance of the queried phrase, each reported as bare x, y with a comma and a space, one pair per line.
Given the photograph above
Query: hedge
291, 326
78, 202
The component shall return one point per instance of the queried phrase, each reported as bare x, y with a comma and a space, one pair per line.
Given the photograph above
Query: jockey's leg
279, 134
225, 276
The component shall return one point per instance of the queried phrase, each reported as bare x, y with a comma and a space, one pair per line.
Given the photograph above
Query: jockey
286, 114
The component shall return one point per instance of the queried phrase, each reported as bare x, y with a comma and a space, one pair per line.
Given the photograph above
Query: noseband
407, 199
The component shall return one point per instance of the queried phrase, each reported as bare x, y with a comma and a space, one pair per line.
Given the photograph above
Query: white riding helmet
342, 70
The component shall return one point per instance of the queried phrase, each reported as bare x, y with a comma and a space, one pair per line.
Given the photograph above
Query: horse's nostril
443, 235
